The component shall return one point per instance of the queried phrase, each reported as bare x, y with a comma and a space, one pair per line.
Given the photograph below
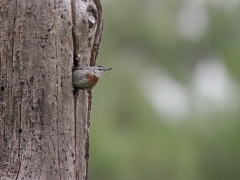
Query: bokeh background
170, 108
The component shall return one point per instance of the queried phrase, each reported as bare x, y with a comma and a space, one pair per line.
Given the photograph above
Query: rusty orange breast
92, 79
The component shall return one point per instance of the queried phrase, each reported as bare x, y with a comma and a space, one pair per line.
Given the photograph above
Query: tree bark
43, 125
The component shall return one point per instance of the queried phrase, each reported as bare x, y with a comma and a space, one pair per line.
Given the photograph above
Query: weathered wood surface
43, 125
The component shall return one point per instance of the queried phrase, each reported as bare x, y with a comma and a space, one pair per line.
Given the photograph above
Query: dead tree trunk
43, 125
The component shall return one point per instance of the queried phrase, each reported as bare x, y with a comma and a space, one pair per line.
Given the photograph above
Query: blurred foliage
129, 138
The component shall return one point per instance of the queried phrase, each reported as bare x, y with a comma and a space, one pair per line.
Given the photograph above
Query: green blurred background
170, 108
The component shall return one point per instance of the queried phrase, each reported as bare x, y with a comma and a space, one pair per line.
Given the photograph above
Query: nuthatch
86, 77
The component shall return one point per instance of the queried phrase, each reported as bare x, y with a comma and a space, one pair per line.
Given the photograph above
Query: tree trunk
43, 125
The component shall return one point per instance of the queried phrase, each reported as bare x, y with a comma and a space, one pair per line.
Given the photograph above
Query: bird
86, 77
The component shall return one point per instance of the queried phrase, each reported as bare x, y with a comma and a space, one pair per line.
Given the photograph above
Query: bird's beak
107, 69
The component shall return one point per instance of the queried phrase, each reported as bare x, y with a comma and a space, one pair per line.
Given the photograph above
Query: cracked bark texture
43, 125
